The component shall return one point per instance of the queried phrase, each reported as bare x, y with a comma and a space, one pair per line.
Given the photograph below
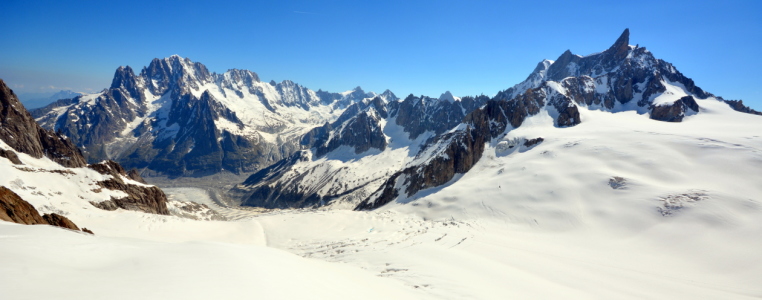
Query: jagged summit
389, 96
447, 96
622, 44
177, 118
622, 77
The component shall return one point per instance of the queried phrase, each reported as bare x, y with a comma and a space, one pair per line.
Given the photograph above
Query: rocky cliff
370, 130
23, 135
20, 131
14, 209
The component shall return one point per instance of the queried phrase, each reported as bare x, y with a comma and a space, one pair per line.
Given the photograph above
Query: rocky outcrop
359, 127
420, 114
60, 221
143, 198
676, 111
10, 155
533, 142
20, 131
738, 105
134, 175
16, 210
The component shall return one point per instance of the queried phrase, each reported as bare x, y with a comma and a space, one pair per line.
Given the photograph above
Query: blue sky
420, 47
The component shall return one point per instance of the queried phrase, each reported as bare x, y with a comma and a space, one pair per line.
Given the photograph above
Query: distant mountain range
355, 148
380, 151
37, 100
176, 118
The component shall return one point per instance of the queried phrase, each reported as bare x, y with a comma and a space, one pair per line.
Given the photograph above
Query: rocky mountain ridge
384, 126
176, 118
621, 78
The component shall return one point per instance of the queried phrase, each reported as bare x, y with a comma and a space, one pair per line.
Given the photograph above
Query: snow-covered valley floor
618, 207
371, 255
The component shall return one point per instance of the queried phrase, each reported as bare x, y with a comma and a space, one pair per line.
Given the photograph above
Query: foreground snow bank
42, 262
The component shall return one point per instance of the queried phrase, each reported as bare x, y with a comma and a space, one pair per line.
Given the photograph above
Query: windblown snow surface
618, 207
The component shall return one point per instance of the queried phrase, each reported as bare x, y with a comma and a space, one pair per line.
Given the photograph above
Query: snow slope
544, 222
555, 221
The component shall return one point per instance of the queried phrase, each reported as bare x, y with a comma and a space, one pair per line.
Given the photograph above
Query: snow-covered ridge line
175, 117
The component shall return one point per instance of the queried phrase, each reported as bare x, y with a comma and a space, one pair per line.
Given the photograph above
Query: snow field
540, 223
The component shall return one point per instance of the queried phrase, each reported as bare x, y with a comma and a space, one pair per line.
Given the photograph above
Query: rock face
20, 131
359, 127
420, 114
737, 105
623, 77
676, 111
311, 177
456, 152
143, 198
176, 118
60, 221
14, 209
10, 155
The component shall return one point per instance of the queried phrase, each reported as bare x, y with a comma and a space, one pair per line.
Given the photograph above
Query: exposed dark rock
135, 175
690, 103
361, 132
668, 113
198, 148
14, 209
17, 210
358, 127
533, 142
60, 221
148, 199
20, 131
10, 155
420, 114
738, 105
674, 112
457, 152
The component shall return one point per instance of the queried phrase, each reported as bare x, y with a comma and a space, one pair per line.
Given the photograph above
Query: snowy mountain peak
176, 117
388, 96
